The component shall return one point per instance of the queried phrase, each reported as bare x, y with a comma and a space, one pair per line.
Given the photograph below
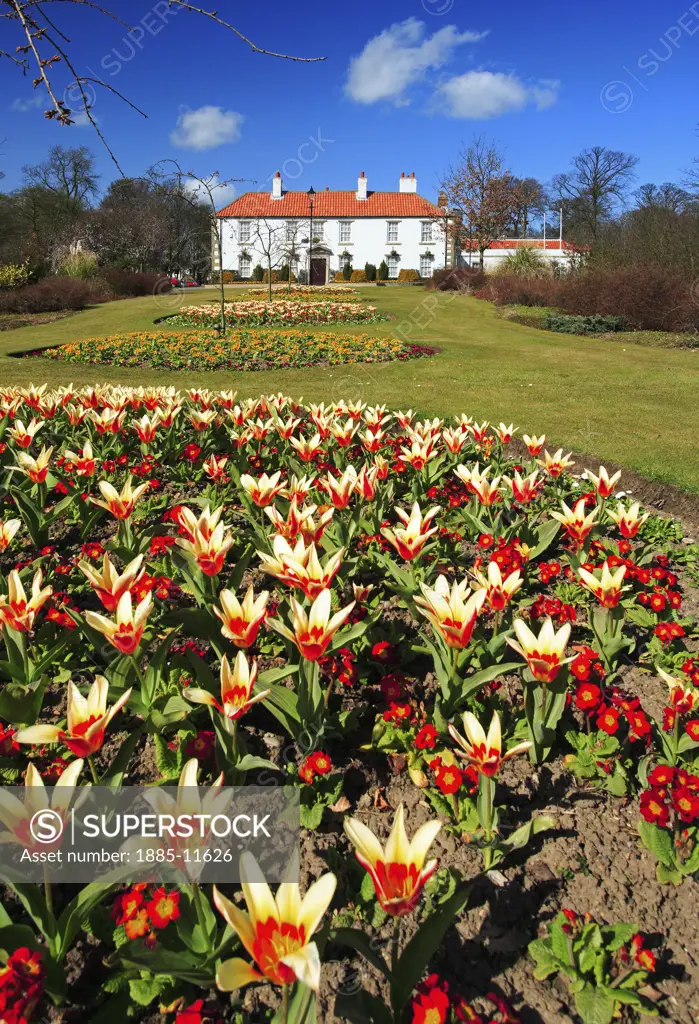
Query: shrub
81, 265
339, 276
275, 277
383, 271
370, 271
565, 324
52, 294
649, 298
14, 275
228, 277
258, 273
358, 275
408, 275
131, 284
456, 279
525, 262
284, 272
347, 271
508, 290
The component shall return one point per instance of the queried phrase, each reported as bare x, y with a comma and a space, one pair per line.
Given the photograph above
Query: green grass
627, 403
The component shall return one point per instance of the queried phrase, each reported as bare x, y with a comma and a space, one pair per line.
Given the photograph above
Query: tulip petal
38, 734
305, 964
364, 841
421, 842
316, 901
235, 973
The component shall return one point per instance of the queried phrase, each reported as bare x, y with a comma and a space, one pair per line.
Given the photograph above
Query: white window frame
425, 266
244, 230
345, 261
291, 230
248, 261
319, 230
426, 231
392, 230
392, 264
345, 232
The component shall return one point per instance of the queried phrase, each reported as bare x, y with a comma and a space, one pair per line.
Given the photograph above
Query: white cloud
22, 106
484, 94
223, 192
206, 128
80, 118
399, 56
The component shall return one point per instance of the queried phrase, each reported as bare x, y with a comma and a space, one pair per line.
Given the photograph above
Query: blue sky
403, 86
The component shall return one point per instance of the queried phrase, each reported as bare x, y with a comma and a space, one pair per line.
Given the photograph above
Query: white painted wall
369, 242
493, 258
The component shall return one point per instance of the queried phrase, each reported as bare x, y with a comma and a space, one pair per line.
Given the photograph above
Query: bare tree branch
213, 15
34, 26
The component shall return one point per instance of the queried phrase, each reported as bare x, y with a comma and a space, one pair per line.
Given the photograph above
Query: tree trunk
219, 243
481, 262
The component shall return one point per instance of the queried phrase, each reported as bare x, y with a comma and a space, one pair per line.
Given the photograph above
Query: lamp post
311, 200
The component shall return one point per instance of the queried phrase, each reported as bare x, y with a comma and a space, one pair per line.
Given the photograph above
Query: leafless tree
529, 201
291, 250
482, 192
200, 189
67, 172
667, 196
270, 240
597, 183
44, 50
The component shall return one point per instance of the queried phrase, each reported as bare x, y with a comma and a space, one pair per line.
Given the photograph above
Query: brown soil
10, 321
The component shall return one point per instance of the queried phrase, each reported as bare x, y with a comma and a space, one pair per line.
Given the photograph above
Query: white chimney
361, 186
277, 186
408, 183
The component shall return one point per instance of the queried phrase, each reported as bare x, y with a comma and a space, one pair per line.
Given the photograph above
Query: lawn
627, 403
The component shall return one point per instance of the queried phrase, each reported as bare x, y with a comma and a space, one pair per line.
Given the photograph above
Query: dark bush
370, 271
347, 271
649, 298
129, 284
565, 324
509, 290
383, 271
258, 272
456, 279
52, 294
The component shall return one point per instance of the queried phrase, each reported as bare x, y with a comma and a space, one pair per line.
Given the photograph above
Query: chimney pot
277, 186
361, 192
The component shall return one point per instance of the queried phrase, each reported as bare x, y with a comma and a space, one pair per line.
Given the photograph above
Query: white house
356, 227
553, 250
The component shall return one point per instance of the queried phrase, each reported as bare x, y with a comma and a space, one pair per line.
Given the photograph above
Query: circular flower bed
239, 350
279, 311
475, 668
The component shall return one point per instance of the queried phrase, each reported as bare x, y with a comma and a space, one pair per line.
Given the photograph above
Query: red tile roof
524, 243
332, 204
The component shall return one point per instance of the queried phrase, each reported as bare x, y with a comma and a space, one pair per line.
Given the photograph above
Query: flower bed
301, 292
414, 625
239, 350
280, 311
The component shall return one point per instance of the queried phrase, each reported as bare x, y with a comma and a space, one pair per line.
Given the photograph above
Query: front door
318, 268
